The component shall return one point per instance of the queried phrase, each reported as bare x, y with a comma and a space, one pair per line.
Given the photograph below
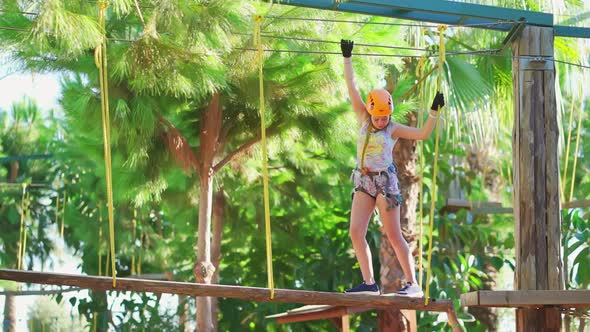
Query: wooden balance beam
528, 298
237, 292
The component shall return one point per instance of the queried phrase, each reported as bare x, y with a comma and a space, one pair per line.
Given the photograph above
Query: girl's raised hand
346, 47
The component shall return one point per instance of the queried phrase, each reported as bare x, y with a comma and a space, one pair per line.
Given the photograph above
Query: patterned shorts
385, 183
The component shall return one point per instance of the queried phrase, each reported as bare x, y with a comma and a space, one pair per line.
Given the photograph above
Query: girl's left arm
407, 132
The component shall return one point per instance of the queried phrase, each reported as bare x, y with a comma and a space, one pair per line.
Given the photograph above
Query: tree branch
178, 146
270, 131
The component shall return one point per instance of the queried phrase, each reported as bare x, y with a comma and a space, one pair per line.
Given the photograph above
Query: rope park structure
539, 296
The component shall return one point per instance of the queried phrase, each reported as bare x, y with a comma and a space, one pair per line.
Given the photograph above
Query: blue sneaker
363, 288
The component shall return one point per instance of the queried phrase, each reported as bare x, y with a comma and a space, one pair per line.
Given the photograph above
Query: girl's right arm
353, 93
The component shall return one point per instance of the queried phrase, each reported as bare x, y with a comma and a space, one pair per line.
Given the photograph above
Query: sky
44, 88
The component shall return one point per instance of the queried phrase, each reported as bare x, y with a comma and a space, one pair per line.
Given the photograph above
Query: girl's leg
390, 219
362, 207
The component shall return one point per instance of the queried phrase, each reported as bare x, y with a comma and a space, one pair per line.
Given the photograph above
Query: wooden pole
345, 324
536, 175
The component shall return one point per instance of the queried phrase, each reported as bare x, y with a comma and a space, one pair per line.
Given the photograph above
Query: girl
375, 178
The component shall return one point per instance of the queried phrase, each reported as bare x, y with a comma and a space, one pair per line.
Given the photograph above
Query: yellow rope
57, 209
567, 150
100, 58
138, 268
21, 229
576, 154
63, 215
134, 232
258, 20
27, 216
106, 265
419, 71
441, 29
99, 239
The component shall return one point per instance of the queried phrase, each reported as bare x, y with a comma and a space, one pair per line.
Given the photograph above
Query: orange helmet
379, 103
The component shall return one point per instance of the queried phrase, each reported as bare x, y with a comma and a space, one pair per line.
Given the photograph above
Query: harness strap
369, 130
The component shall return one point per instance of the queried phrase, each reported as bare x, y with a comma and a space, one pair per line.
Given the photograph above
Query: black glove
346, 47
439, 100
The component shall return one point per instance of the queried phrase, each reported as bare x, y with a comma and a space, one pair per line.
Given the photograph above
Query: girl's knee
357, 234
395, 235
397, 240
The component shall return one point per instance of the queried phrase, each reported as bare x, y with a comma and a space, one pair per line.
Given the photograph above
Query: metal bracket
513, 33
536, 63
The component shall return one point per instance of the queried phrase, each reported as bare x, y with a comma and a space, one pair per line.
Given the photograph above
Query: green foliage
576, 243
24, 131
168, 68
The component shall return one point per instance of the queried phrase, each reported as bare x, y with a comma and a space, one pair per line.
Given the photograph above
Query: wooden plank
303, 309
332, 312
464, 204
516, 148
578, 204
554, 255
238, 292
476, 207
470, 299
500, 210
314, 312
454, 205
526, 256
539, 189
528, 298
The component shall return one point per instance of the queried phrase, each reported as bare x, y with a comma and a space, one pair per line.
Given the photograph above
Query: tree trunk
218, 208
391, 271
183, 311
203, 267
10, 313
209, 141
14, 166
102, 313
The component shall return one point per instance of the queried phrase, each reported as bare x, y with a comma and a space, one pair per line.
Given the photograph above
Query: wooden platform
476, 207
527, 298
480, 207
315, 312
237, 292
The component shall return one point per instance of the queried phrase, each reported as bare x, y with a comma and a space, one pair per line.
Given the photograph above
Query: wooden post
536, 175
345, 323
